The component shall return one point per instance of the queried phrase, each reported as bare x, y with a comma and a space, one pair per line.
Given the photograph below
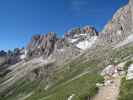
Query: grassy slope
81, 86
19, 89
126, 89
85, 85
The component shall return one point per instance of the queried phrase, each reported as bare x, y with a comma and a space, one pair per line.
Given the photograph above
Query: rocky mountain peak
117, 29
90, 30
120, 27
43, 44
75, 32
82, 38
76, 37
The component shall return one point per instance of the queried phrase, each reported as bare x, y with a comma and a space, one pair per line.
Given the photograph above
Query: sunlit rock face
131, 5
44, 44
120, 27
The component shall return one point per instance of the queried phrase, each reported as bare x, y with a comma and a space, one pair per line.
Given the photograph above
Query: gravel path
109, 92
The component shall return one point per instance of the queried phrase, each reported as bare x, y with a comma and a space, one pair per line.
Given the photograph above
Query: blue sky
20, 19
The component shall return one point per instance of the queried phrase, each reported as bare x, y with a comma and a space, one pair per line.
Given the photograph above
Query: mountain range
68, 68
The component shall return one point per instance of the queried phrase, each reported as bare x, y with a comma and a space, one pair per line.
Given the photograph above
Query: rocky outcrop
120, 27
79, 32
51, 45
131, 6
43, 44
82, 38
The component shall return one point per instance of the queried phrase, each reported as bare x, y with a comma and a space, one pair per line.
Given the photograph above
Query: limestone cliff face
42, 44
131, 6
120, 27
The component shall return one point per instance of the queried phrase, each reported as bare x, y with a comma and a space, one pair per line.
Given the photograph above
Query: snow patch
73, 40
80, 35
87, 43
130, 72
23, 56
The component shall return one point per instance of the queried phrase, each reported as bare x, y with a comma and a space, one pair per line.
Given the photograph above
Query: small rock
99, 84
70, 97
